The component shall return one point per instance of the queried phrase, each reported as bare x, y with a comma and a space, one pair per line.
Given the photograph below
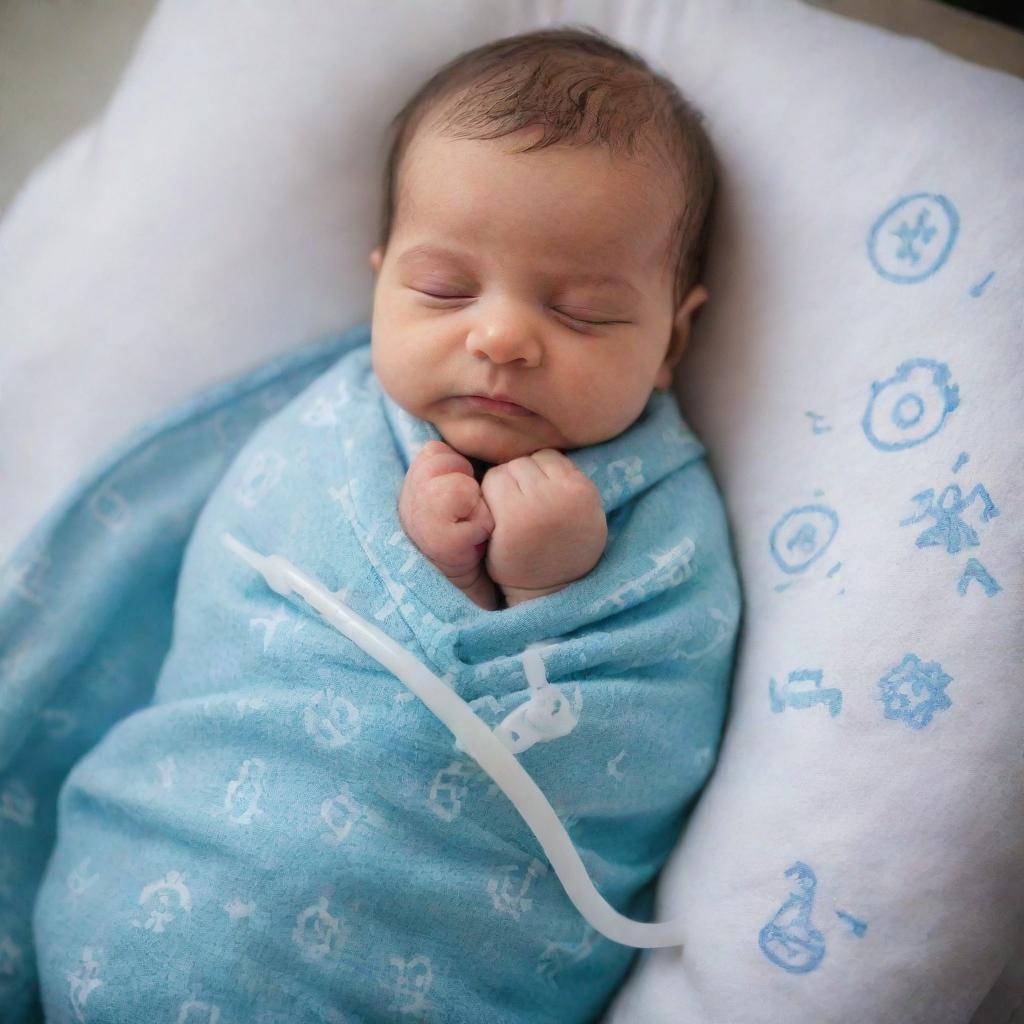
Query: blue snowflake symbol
914, 690
921, 232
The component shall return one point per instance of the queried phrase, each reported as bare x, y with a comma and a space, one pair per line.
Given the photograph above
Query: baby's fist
549, 524
442, 510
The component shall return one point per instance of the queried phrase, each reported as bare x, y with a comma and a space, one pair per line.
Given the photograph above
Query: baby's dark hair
581, 88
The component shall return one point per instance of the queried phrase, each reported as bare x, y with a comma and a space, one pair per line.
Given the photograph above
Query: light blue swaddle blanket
287, 834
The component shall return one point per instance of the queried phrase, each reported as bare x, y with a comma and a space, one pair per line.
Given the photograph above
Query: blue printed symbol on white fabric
802, 536
803, 689
913, 238
950, 529
977, 289
816, 422
911, 406
976, 571
789, 939
857, 927
914, 690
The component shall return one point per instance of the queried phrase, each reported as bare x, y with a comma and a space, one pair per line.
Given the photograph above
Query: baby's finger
437, 458
472, 532
481, 515
553, 463
455, 497
499, 485
526, 472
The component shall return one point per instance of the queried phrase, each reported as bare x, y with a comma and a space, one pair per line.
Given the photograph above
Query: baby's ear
695, 298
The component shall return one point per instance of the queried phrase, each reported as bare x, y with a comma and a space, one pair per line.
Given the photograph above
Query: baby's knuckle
451, 494
433, 447
580, 486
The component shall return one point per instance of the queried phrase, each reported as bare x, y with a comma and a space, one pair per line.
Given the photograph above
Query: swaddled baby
286, 833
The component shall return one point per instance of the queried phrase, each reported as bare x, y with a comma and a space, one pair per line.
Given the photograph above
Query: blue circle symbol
802, 536
913, 237
903, 419
910, 406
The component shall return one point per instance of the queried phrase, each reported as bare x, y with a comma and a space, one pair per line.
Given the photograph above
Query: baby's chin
489, 442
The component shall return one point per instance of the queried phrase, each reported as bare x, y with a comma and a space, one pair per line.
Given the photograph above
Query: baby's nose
505, 341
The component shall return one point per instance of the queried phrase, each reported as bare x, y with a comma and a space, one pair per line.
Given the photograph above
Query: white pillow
842, 865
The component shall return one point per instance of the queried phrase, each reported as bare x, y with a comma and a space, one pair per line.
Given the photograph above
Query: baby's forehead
615, 204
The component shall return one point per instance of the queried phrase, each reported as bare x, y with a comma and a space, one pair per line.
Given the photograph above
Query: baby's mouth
493, 406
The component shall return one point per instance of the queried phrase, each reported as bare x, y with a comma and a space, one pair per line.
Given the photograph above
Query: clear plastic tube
477, 740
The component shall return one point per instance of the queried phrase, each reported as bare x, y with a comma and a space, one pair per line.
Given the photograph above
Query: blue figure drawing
913, 238
950, 529
789, 939
802, 536
914, 690
961, 460
911, 406
795, 693
976, 571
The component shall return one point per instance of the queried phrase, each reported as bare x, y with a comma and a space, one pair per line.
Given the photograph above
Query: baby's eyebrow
606, 281
421, 251
425, 250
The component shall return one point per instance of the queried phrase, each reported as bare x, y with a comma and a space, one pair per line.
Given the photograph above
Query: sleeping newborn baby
528, 301
286, 833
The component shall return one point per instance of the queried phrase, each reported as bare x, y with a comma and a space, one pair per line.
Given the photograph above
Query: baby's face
543, 277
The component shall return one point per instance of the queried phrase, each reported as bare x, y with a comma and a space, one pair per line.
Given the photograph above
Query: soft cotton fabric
85, 620
286, 830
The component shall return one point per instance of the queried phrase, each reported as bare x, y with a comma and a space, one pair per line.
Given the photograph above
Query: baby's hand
549, 524
443, 512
